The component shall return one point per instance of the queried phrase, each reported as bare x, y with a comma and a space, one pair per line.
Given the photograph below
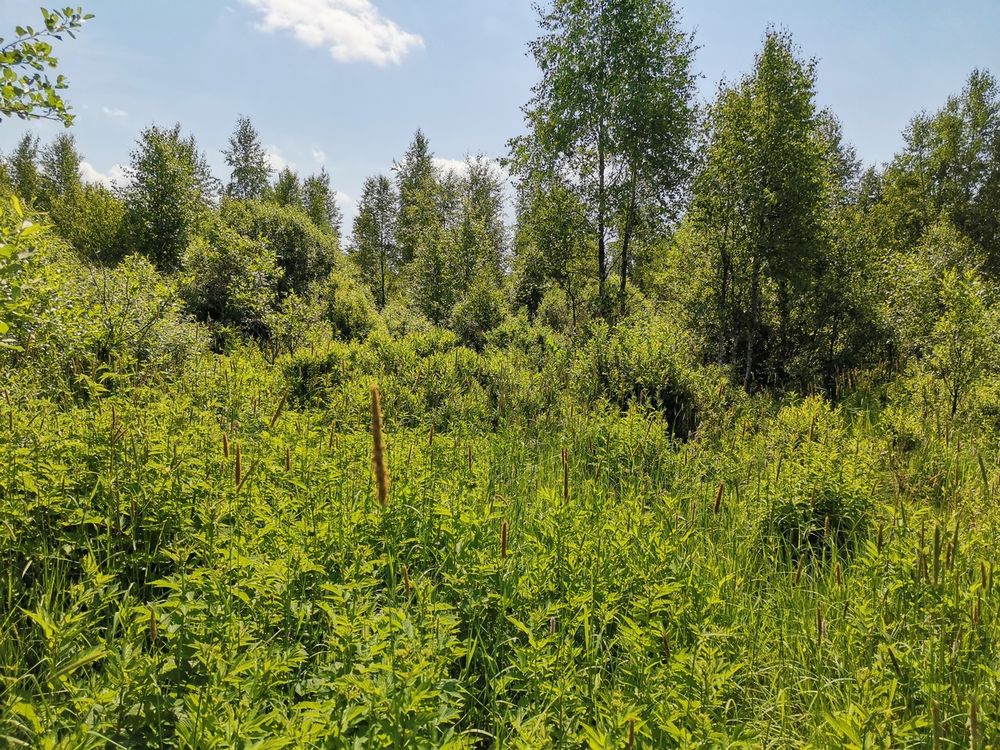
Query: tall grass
579, 578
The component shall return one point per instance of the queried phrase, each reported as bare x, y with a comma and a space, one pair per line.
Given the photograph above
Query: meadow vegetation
704, 451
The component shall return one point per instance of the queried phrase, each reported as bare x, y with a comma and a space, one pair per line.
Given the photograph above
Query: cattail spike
378, 448
565, 468
225, 446
718, 498
503, 540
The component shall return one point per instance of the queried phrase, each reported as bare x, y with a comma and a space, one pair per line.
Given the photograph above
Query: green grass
151, 599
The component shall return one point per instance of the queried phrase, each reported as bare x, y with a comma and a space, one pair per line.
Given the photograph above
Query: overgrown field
203, 562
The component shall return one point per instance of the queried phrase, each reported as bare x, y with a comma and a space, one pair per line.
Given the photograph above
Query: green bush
822, 499
91, 218
88, 326
230, 280
647, 360
304, 252
402, 320
480, 312
348, 306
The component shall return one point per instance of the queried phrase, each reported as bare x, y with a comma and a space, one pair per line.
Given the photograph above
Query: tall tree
247, 159
374, 246
482, 235
614, 109
22, 165
415, 181
759, 206
950, 166
169, 189
320, 201
287, 190
551, 243
60, 163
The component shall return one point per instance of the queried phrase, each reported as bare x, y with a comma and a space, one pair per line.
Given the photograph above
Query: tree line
749, 219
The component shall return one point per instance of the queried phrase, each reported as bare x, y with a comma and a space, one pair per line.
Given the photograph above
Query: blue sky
344, 83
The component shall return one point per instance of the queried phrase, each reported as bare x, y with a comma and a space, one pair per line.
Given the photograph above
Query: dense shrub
645, 359
822, 499
91, 218
304, 252
480, 312
348, 306
89, 325
401, 320
230, 279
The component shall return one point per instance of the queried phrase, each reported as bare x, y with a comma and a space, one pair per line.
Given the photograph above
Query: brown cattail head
631, 734
406, 580
879, 539
154, 626
895, 664
503, 540
378, 448
665, 638
278, 410
718, 497
973, 725
225, 446
838, 575
565, 468
238, 474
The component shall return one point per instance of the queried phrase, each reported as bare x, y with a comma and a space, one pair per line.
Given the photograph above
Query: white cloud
353, 30
461, 167
113, 177
458, 166
319, 156
348, 207
276, 159
113, 112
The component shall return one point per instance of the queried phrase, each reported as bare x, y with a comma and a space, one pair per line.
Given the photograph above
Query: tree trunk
601, 248
626, 239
